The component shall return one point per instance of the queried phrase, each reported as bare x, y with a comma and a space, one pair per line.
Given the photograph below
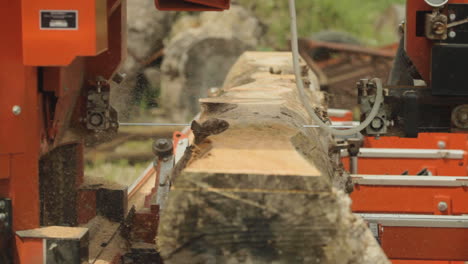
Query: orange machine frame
48, 97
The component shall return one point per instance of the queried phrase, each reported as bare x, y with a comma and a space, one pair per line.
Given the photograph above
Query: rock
197, 59
147, 28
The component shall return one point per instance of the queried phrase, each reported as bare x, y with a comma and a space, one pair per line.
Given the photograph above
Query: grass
120, 171
354, 16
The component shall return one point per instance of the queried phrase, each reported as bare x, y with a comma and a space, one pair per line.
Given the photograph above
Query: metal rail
399, 180
414, 220
408, 153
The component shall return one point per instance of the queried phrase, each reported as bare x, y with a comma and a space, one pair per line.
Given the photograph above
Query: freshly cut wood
256, 186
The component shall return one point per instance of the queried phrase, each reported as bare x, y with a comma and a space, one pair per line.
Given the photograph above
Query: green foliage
354, 16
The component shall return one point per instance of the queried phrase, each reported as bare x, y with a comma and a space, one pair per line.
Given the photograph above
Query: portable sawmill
228, 190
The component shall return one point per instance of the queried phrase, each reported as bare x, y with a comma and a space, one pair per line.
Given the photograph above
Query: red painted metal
30, 250
424, 141
193, 5
406, 261
20, 134
145, 224
60, 47
418, 48
106, 63
86, 205
425, 243
396, 166
48, 108
409, 199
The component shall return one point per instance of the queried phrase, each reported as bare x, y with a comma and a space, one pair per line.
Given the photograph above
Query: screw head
452, 34
377, 123
119, 77
16, 110
442, 206
161, 143
453, 16
2, 205
3, 217
162, 147
441, 144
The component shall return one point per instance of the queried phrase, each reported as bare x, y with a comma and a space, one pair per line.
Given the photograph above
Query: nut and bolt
162, 147
162, 143
214, 92
442, 206
439, 28
452, 34
453, 16
119, 77
377, 123
3, 217
441, 144
16, 110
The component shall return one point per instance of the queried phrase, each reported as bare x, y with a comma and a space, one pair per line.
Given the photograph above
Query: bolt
441, 144
214, 92
119, 77
453, 16
439, 28
463, 116
162, 147
442, 206
162, 143
452, 34
3, 217
377, 123
16, 110
2, 205
96, 120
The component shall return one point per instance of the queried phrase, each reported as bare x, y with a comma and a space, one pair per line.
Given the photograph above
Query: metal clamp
5, 215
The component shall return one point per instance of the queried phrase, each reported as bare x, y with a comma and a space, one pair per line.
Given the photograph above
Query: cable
302, 93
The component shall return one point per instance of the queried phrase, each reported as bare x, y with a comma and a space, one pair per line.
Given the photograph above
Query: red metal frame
425, 243
409, 199
419, 48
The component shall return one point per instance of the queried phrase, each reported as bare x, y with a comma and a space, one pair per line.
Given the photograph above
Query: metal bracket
5, 215
5, 230
165, 171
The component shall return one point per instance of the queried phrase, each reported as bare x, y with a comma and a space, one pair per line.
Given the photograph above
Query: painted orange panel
405, 261
4, 166
424, 140
393, 166
56, 41
30, 250
404, 199
425, 243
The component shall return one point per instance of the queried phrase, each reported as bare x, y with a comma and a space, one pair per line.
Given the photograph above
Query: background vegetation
356, 17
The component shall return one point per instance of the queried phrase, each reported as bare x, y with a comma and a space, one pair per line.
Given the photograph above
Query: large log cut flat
260, 188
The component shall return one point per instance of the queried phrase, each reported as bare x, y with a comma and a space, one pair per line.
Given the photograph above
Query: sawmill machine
427, 90
58, 60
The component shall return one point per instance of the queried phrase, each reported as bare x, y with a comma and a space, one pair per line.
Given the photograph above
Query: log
256, 186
